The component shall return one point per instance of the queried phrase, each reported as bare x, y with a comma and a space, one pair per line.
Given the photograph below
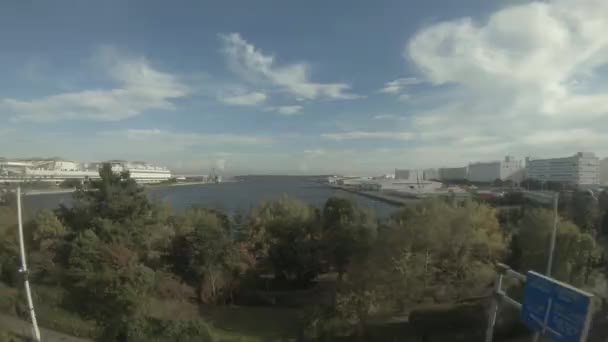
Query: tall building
604, 171
430, 174
486, 172
581, 169
453, 173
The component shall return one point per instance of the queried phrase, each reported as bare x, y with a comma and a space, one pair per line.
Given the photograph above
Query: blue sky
303, 87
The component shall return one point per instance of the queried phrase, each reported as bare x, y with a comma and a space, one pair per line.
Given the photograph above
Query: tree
572, 250
347, 231
106, 282
286, 233
45, 238
111, 228
205, 254
583, 211
431, 252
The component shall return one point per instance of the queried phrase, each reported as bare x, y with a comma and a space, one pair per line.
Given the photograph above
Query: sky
303, 87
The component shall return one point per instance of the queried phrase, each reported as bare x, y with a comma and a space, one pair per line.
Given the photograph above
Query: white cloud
404, 97
184, 139
287, 110
243, 99
315, 152
220, 164
362, 135
385, 117
527, 80
139, 88
396, 86
250, 63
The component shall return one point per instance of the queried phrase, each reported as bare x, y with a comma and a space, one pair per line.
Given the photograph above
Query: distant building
430, 174
604, 171
487, 172
412, 175
453, 173
581, 169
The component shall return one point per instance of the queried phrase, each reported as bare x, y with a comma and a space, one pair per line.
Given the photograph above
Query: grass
50, 314
10, 337
234, 323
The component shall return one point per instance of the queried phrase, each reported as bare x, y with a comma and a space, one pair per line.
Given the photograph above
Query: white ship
142, 172
56, 170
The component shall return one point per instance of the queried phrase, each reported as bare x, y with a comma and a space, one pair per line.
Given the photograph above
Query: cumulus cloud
254, 66
139, 88
286, 110
363, 135
398, 85
315, 152
184, 139
243, 99
528, 76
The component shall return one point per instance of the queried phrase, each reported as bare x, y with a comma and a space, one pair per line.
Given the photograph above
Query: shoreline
38, 192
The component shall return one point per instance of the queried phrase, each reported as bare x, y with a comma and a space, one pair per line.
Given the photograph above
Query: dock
378, 196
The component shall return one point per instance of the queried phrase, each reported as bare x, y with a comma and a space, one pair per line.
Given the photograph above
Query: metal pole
553, 235
28, 293
494, 309
551, 248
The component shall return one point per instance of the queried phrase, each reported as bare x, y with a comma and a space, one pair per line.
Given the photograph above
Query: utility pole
23, 270
553, 235
536, 335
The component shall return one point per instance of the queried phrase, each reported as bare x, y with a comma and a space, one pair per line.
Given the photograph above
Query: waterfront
231, 197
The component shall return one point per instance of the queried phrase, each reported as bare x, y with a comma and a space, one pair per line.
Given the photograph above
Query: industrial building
581, 169
453, 173
486, 172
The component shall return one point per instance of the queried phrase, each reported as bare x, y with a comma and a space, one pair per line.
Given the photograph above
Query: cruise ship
57, 170
142, 172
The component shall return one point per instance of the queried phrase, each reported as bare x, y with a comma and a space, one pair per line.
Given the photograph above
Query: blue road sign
556, 309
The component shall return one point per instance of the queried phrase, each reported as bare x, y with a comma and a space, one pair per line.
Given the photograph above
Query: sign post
555, 309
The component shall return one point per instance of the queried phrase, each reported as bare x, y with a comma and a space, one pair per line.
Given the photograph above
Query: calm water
231, 197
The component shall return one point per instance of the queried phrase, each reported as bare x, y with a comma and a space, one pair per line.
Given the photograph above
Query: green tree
107, 251
583, 211
286, 233
45, 238
205, 254
106, 282
431, 252
573, 247
348, 231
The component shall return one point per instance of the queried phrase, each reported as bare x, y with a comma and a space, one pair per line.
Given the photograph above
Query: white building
487, 172
453, 173
581, 169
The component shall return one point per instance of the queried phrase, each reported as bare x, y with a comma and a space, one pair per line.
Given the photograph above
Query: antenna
23, 270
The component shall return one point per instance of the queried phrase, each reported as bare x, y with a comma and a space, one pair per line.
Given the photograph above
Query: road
23, 328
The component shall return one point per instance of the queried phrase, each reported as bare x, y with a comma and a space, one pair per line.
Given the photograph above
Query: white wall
580, 169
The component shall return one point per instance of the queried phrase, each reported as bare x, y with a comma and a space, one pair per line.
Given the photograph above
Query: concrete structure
430, 174
453, 173
581, 169
487, 172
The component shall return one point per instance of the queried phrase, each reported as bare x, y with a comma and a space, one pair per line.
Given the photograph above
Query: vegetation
116, 266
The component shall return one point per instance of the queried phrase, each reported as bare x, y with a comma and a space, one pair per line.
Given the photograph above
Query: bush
168, 286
